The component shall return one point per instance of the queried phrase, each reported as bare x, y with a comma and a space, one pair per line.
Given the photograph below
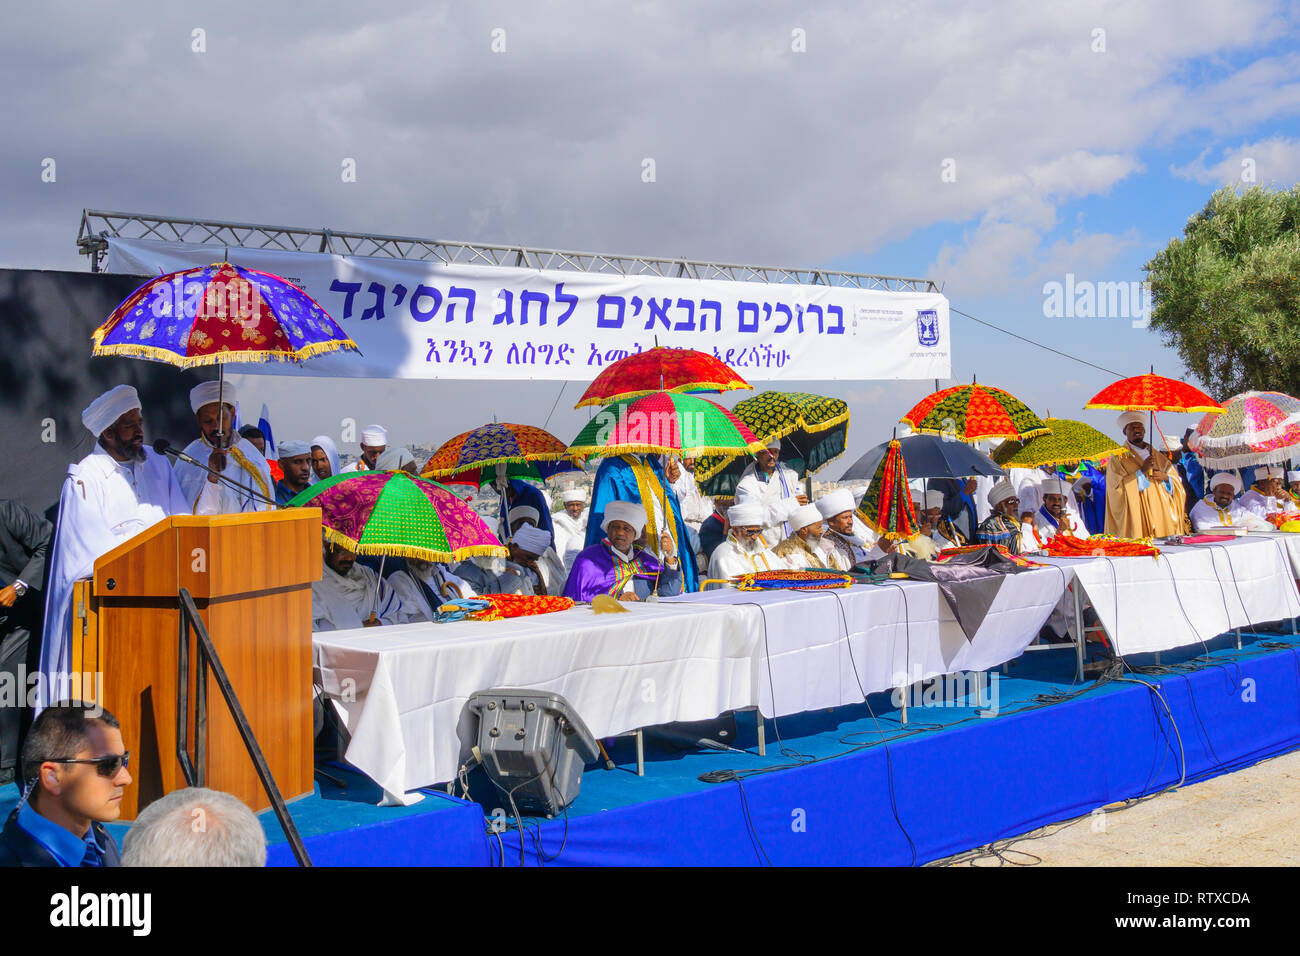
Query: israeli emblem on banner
927, 327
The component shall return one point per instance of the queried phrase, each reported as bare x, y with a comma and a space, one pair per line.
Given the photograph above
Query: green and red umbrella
667, 424
974, 413
887, 507
393, 513
661, 370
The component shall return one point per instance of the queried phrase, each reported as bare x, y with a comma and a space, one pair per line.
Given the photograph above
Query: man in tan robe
1144, 497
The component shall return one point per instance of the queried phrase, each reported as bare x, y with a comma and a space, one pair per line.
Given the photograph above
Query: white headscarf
326, 444
108, 408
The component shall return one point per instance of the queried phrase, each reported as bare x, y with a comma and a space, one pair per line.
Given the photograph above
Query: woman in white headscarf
324, 458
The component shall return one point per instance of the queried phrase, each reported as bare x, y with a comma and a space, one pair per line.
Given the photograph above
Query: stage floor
855, 785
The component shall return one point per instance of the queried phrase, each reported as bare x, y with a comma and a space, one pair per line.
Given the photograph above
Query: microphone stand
162, 447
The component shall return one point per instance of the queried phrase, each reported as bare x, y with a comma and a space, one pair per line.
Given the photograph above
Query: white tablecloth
1288, 542
401, 689
1188, 594
897, 634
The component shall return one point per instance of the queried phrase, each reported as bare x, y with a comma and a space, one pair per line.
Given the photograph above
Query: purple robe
593, 573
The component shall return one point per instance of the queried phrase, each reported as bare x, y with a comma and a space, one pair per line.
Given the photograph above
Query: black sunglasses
106, 766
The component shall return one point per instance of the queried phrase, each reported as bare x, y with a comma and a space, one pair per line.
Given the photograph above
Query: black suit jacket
19, 848
24, 540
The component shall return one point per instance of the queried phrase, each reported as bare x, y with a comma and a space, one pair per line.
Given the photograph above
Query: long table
1188, 594
401, 690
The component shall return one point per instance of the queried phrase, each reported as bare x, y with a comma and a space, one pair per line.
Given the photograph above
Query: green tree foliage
1226, 294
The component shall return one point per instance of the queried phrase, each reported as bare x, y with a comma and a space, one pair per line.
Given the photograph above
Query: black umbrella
928, 456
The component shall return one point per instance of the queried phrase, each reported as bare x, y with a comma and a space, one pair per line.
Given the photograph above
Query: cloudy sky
995, 148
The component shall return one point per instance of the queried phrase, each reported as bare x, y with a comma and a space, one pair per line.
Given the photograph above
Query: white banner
430, 320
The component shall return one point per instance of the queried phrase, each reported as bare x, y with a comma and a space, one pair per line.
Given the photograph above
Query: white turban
292, 449
774, 444
524, 511
1268, 471
1226, 478
803, 516
836, 503
206, 393
745, 516
1054, 486
1001, 492
108, 408
1131, 418
931, 499
394, 458
1293, 476
374, 436
627, 511
573, 494
1173, 444
532, 539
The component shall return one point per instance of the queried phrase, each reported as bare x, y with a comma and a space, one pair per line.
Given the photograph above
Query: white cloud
1273, 160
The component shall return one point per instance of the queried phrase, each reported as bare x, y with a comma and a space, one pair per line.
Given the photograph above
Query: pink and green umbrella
665, 423
394, 513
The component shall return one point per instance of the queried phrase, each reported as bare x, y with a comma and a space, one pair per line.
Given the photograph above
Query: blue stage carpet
948, 781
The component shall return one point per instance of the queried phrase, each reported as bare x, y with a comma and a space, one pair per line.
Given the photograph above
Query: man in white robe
744, 551
775, 488
570, 525
239, 463
846, 540
1268, 495
374, 442
120, 489
1220, 509
423, 586
1056, 515
803, 550
351, 595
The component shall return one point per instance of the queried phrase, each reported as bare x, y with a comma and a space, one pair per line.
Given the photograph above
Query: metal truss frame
98, 226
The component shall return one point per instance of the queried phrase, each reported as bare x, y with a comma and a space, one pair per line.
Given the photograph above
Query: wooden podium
250, 576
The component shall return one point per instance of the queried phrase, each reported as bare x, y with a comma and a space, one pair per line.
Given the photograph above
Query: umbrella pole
378, 578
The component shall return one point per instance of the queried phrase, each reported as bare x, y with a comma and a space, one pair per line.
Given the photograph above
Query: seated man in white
350, 595
803, 549
1268, 495
1220, 509
530, 548
423, 585
774, 488
744, 550
846, 541
1054, 516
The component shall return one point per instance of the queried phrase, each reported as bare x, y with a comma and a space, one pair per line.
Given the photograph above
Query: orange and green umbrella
661, 370
393, 513
492, 444
974, 413
667, 424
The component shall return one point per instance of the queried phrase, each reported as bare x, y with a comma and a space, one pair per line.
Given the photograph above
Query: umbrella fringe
1174, 409
488, 462
1019, 436
158, 354
606, 451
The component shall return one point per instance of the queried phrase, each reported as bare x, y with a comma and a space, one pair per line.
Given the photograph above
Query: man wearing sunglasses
75, 772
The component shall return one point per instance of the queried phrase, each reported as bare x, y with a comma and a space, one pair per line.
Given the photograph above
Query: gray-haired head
195, 827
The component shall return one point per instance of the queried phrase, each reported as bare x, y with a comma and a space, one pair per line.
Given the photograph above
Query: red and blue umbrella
217, 314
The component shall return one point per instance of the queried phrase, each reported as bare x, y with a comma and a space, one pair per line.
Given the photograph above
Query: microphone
162, 446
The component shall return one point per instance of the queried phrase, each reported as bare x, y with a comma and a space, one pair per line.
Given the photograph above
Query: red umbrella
661, 369
1153, 393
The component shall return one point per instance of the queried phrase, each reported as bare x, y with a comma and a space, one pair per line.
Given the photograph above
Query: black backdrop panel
48, 377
